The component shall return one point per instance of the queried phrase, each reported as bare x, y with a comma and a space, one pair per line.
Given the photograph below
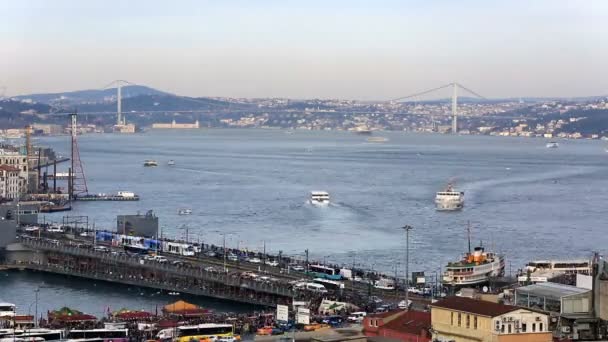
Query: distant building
138, 225
47, 129
173, 124
14, 172
126, 128
461, 319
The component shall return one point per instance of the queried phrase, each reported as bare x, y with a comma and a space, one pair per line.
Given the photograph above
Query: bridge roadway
64, 256
126, 269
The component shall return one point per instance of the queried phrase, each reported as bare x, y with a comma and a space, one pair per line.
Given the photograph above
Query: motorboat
552, 144
171, 162
319, 198
150, 163
184, 211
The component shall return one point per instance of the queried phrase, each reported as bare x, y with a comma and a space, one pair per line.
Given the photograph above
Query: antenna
469, 234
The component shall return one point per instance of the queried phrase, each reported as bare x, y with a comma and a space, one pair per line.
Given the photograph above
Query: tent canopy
180, 306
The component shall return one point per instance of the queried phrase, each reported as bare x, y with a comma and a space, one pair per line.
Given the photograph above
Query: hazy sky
302, 49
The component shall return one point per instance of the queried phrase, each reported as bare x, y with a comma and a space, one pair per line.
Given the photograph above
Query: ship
319, 198
449, 199
552, 144
477, 267
150, 163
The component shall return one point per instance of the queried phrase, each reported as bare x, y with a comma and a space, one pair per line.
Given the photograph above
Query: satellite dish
485, 289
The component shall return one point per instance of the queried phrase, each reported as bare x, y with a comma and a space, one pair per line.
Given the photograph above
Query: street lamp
407, 229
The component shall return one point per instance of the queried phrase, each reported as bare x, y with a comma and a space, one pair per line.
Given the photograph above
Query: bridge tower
76, 179
454, 108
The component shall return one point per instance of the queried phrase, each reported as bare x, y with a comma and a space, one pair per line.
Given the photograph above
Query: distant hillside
17, 113
143, 103
78, 97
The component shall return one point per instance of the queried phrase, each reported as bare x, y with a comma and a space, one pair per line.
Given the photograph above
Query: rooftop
411, 322
551, 290
474, 306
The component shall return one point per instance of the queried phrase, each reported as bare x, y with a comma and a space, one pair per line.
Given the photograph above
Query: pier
104, 197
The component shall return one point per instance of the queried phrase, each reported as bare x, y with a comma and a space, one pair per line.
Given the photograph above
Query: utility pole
224, 249
407, 229
36, 317
306, 251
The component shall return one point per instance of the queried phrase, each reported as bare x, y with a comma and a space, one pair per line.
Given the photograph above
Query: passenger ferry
544, 270
7, 310
320, 198
101, 335
449, 199
196, 332
552, 144
150, 163
475, 268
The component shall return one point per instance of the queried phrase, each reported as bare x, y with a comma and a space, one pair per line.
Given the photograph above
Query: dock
103, 197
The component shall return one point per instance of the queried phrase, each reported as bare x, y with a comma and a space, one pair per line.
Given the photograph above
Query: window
451, 318
474, 322
502, 328
523, 327
459, 319
540, 327
468, 321
509, 328
533, 327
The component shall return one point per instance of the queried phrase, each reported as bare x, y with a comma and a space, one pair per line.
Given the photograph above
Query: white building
14, 167
11, 185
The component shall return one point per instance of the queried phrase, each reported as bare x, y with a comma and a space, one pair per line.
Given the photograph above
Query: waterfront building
126, 128
138, 225
47, 129
14, 159
399, 325
571, 305
174, 125
10, 182
467, 320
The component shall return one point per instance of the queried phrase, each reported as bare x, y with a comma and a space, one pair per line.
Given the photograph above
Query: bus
329, 284
101, 335
321, 271
196, 332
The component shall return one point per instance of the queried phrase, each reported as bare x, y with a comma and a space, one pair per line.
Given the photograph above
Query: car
159, 258
209, 269
357, 317
55, 230
249, 275
177, 263
85, 234
54, 242
32, 229
315, 326
233, 257
101, 249
211, 254
298, 268
272, 263
254, 260
264, 331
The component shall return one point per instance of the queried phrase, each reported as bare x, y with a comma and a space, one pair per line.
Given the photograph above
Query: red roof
9, 168
478, 307
75, 318
134, 315
411, 322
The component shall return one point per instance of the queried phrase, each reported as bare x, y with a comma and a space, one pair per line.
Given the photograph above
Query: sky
368, 50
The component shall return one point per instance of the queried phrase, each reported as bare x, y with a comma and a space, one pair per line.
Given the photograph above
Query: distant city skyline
308, 49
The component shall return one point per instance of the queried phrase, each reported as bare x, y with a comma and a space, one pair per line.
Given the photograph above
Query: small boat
449, 199
377, 139
319, 198
184, 211
173, 293
552, 144
171, 162
150, 163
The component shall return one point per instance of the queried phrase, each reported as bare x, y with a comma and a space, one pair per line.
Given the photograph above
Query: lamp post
407, 229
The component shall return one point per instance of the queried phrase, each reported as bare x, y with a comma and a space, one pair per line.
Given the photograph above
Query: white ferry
474, 268
320, 198
7, 310
171, 162
552, 144
544, 270
150, 163
449, 199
